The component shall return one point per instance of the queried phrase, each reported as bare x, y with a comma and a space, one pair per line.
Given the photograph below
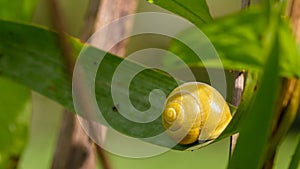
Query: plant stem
245, 4
74, 148
288, 100
286, 112
293, 12
110, 10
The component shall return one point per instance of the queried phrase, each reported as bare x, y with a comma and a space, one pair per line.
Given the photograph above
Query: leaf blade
239, 48
38, 64
195, 11
14, 121
246, 149
296, 157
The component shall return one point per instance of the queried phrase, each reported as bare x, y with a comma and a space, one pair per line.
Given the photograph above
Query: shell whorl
173, 116
194, 112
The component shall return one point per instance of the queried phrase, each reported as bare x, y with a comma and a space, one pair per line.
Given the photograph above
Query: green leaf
252, 140
240, 116
289, 54
34, 62
38, 64
296, 157
195, 11
14, 121
14, 99
238, 41
21, 10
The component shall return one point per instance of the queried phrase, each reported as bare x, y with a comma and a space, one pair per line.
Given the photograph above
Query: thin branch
245, 4
88, 30
90, 20
62, 38
103, 158
112, 10
74, 149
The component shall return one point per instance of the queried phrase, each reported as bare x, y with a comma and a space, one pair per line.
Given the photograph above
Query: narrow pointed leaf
195, 11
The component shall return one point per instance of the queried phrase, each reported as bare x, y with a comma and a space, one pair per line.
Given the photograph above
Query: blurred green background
46, 114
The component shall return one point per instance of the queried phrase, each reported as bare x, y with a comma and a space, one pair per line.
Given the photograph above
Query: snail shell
194, 112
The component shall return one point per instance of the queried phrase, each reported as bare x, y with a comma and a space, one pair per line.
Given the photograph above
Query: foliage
14, 99
257, 40
195, 11
14, 117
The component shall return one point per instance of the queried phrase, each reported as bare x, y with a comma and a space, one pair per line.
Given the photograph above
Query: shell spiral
194, 112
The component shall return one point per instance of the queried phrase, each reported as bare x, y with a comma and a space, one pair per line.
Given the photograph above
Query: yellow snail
194, 112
